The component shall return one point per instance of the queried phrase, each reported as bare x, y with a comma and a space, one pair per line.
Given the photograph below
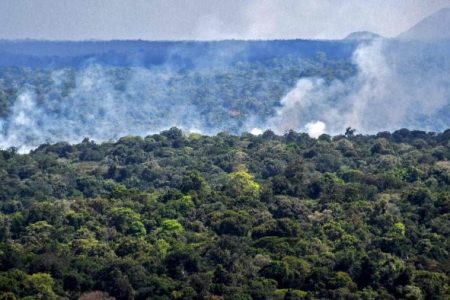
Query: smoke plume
98, 106
393, 88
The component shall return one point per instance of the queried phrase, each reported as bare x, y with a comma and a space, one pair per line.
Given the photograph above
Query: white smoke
385, 94
256, 131
96, 108
315, 129
394, 87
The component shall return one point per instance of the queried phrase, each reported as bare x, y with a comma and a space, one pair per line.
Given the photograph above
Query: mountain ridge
362, 35
432, 27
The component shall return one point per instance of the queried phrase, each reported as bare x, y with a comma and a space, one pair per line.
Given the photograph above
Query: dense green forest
185, 216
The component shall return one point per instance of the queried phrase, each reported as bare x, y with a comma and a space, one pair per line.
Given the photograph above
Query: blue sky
207, 19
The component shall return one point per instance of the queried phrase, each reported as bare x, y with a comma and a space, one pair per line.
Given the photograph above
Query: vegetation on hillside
176, 216
219, 98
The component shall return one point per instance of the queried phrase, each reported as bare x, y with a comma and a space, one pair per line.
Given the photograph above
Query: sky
208, 19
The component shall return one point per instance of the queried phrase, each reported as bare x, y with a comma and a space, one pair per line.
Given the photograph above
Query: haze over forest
206, 149
106, 90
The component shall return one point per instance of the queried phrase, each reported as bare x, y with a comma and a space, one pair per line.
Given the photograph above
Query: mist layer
394, 85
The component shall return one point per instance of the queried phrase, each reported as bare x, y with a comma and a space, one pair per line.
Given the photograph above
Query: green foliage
172, 226
400, 228
176, 217
242, 187
126, 220
41, 286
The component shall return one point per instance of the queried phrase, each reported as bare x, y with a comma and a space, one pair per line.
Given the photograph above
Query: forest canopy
185, 216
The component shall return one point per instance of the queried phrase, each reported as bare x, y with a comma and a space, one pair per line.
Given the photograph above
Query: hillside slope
175, 216
433, 27
362, 36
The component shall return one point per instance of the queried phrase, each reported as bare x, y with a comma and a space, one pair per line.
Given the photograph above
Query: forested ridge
185, 216
209, 98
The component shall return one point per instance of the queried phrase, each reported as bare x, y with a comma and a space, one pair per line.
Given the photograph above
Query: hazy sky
208, 19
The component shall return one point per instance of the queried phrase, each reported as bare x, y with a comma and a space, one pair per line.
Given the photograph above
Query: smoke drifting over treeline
395, 85
98, 107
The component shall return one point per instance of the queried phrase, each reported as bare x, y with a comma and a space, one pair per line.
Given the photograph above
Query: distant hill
362, 35
433, 27
55, 54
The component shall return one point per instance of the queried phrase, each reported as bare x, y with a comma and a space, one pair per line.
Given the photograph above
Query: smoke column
393, 88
